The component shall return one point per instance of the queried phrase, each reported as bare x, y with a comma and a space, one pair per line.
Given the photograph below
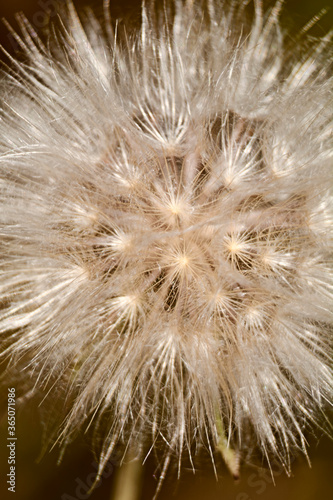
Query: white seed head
166, 208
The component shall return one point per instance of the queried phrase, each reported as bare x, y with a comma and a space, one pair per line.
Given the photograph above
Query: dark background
43, 479
296, 13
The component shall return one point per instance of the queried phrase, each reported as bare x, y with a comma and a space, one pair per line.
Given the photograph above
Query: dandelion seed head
166, 210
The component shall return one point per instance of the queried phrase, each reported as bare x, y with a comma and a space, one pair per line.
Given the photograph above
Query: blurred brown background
45, 480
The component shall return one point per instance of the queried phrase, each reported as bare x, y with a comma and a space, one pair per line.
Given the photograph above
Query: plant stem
128, 481
229, 455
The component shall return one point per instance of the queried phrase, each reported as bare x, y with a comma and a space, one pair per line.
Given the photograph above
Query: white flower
165, 218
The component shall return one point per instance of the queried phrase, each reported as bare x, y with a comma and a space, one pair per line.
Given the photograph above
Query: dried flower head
165, 219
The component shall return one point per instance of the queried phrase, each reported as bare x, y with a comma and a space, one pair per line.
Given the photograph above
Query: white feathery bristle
166, 214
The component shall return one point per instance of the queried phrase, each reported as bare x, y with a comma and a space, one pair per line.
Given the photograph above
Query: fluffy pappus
166, 229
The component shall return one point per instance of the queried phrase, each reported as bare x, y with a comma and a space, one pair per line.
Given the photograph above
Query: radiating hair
166, 229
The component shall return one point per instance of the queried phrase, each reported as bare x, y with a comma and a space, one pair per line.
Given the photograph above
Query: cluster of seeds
165, 214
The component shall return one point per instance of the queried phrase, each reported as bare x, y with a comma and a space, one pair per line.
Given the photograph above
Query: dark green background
45, 480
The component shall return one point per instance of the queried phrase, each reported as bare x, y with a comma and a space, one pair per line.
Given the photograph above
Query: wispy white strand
166, 215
